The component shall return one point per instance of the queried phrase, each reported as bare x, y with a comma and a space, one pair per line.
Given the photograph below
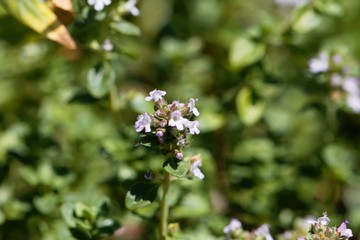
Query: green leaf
29, 175
141, 195
176, 167
2, 217
47, 203
126, 28
84, 212
244, 52
308, 21
106, 227
100, 79
249, 113
329, 7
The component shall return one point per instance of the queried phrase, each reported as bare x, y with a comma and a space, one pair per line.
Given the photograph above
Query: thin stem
165, 206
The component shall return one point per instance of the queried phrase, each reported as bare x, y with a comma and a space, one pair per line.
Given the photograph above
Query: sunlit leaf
244, 52
176, 167
100, 79
36, 15
126, 28
249, 112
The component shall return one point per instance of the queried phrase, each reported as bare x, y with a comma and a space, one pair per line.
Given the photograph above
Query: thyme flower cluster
309, 229
168, 127
320, 229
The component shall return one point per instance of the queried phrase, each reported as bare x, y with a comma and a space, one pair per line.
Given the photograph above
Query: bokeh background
279, 140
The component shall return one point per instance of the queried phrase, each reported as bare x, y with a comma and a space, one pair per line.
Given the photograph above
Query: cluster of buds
168, 127
320, 230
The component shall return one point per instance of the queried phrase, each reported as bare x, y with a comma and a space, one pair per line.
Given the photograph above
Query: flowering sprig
168, 128
320, 229
341, 77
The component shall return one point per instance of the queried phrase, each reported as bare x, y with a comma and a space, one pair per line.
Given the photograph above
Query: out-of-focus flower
264, 230
177, 120
131, 8
143, 122
107, 45
344, 231
320, 63
155, 95
291, 3
233, 225
99, 4
195, 163
353, 101
351, 85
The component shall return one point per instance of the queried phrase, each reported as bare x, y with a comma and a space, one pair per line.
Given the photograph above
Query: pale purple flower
179, 155
233, 225
320, 63
287, 235
192, 107
107, 45
351, 85
131, 8
353, 101
143, 122
193, 126
264, 230
324, 220
99, 4
194, 167
177, 120
155, 95
336, 80
344, 231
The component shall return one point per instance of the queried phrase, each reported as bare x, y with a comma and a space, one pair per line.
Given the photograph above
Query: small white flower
324, 220
177, 120
192, 107
99, 4
353, 101
107, 45
196, 162
193, 126
264, 230
320, 63
233, 225
336, 80
155, 95
143, 122
131, 8
351, 85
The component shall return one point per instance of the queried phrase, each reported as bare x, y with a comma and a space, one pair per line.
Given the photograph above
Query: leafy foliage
278, 122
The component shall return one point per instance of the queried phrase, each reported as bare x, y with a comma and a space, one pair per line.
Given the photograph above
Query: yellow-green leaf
36, 15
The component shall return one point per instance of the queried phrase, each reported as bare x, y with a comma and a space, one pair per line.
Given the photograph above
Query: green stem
165, 206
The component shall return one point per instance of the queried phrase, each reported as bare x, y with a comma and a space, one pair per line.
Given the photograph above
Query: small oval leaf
100, 78
126, 28
141, 195
176, 167
244, 52
249, 113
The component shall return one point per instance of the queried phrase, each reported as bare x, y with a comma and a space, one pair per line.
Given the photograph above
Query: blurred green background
278, 141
